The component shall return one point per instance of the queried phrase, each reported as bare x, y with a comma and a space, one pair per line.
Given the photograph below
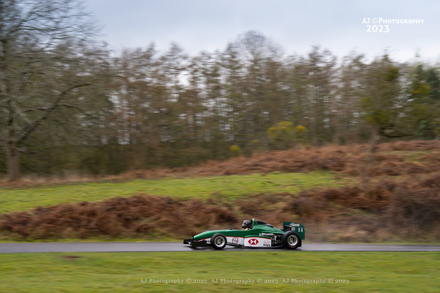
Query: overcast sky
207, 25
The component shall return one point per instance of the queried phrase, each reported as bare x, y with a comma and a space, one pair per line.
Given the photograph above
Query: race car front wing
195, 243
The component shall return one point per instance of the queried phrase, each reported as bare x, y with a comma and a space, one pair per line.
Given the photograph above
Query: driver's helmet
246, 224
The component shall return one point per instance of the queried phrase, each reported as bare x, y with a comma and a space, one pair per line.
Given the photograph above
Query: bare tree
45, 59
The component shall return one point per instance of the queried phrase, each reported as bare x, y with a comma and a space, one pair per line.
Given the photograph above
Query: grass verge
283, 271
201, 187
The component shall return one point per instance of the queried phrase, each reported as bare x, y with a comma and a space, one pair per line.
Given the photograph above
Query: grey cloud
199, 25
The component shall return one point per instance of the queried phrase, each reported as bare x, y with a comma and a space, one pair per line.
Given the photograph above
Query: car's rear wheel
291, 240
218, 241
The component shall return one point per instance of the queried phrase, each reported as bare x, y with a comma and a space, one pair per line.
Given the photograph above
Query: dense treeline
69, 104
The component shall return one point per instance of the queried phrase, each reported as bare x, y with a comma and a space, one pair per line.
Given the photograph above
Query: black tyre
291, 240
218, 241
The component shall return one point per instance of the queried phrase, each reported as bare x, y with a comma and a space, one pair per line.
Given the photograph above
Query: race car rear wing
298, 228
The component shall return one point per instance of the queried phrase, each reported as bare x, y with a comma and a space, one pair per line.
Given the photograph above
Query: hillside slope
400, 201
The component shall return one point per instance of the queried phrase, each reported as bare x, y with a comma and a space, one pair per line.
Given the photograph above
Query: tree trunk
13, 161
369, 159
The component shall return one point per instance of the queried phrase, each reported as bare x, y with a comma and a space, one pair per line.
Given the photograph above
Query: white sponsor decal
235, 240
257, 242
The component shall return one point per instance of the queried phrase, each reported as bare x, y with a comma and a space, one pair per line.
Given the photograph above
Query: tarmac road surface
173, 246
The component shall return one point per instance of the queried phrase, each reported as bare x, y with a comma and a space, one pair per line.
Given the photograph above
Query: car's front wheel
291, 240
218, 241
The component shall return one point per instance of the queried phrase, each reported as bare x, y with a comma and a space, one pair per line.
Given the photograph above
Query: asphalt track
173, 246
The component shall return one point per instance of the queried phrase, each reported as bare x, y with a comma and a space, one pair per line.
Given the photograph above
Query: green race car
254, 233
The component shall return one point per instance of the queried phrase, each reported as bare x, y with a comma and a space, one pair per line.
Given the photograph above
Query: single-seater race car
254, 233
